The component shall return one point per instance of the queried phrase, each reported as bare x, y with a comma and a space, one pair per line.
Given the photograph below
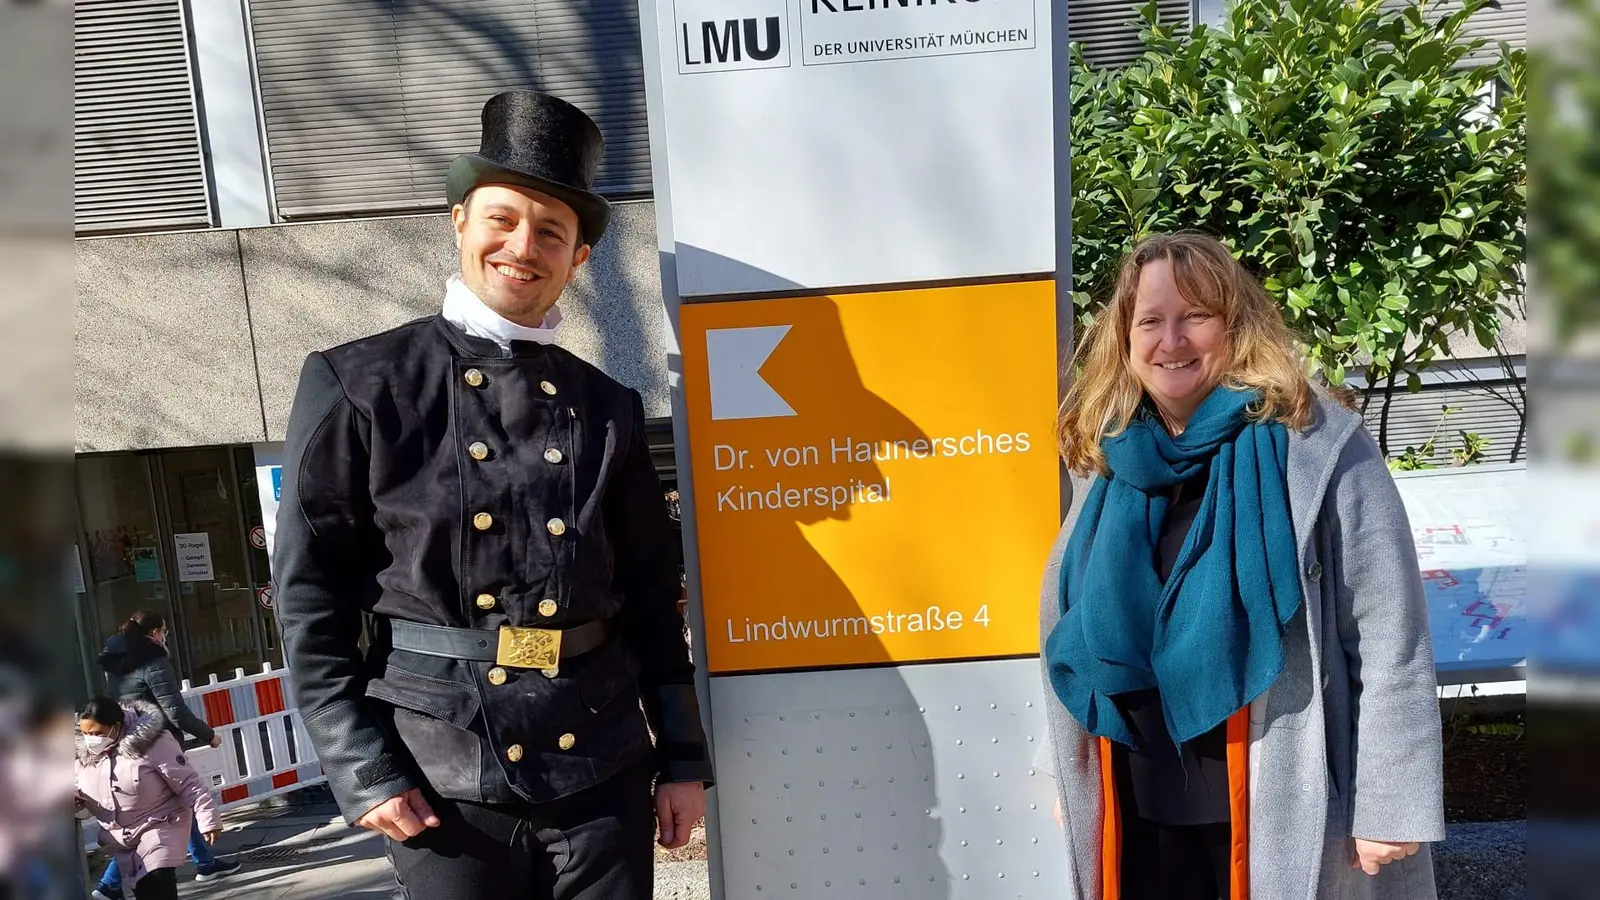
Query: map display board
1468, 527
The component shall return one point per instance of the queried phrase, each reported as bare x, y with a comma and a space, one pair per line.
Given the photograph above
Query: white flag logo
734, 357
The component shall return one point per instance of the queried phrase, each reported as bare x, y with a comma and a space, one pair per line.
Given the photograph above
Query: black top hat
537, 141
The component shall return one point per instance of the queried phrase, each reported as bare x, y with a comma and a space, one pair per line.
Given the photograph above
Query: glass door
126, 561
216, 624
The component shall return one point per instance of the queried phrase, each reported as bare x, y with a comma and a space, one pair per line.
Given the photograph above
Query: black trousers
157, 884
1175, 862
598, 844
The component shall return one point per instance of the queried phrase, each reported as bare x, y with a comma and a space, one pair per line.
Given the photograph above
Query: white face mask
96, 742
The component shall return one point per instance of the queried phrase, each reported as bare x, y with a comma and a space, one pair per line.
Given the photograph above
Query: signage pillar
863, 224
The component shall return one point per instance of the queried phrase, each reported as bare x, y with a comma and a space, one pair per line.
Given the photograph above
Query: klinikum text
818, 6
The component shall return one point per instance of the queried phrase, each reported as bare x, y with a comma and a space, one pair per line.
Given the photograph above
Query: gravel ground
1482, 861
681, 874
682, 881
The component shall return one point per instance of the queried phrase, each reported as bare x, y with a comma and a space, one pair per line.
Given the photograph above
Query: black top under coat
1157, 780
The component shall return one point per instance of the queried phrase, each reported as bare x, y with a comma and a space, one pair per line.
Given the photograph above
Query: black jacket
379, 496
137, 669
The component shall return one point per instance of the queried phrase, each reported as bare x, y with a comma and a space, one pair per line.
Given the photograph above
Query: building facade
257, 180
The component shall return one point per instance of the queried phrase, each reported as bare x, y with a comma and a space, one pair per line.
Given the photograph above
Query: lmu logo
722, 36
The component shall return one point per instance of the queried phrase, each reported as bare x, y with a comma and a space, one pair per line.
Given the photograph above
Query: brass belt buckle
528, 648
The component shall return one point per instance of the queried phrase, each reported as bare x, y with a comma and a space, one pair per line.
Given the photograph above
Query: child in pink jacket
133, 778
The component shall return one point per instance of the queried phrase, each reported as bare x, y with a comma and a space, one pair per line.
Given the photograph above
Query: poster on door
146, 568
194, 557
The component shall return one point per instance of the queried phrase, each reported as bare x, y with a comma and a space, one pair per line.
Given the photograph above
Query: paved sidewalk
306, 852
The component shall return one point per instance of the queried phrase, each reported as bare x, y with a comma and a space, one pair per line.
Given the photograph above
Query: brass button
553, 456
550, 672
486, 601
547, 607
473, 377
478, 450
557, 527
497, 675
567, 742
482, 521
548, 388
514, 752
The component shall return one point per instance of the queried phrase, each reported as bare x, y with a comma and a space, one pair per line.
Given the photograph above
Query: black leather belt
509, 646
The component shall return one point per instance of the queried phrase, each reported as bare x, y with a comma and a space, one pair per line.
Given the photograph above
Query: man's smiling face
519, 249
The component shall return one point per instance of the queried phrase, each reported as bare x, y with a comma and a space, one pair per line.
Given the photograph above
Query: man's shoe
106, 893
220, 868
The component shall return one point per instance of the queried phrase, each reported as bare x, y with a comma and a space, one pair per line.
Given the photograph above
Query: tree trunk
1522, 398
1366, 394
1388, 403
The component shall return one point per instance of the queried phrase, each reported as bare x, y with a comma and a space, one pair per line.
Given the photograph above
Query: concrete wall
162, 346
197, 338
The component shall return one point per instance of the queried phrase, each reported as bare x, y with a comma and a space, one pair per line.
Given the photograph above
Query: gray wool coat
1346, 743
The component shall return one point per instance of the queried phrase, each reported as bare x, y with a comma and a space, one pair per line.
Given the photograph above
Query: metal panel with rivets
886, 783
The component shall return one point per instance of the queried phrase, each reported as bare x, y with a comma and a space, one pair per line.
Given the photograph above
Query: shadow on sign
791, 786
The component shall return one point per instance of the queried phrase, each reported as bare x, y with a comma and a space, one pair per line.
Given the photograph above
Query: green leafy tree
1565, 165
1348, 153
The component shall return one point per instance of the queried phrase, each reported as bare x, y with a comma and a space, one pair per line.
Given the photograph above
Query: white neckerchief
466, 311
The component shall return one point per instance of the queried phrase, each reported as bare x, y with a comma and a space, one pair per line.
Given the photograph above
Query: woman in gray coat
1240, 680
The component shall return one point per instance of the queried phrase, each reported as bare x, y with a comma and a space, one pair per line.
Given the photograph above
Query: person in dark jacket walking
137, 668
490, 498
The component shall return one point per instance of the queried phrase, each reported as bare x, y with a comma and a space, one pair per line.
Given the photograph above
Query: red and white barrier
265, 750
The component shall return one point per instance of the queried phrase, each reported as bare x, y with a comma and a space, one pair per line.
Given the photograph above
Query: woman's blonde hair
1261, 349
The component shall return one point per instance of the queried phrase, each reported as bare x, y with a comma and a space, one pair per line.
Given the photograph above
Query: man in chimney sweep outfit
490, 499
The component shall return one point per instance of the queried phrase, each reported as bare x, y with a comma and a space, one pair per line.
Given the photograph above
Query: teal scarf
1210, 638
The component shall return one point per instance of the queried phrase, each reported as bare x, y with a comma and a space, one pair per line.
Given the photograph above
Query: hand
1061, 821
679, 805
211, 836
216, 740
1370, 855
400, 817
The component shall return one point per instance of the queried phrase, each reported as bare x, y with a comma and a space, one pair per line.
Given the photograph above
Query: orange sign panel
875, 476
